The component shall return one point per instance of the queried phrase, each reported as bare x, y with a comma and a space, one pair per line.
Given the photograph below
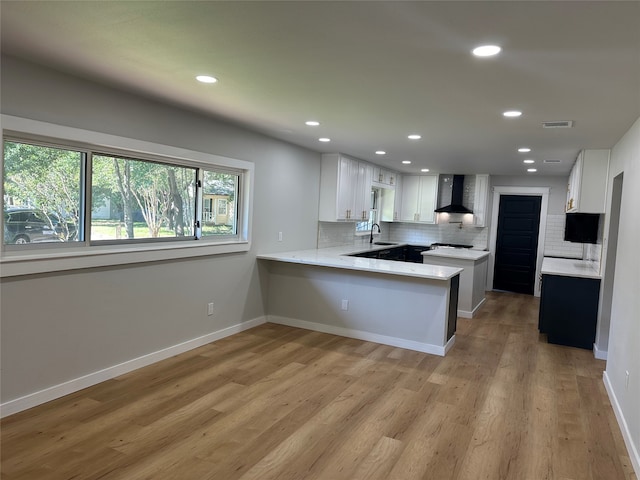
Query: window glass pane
135, 199
368, 225
219, 203
42, 192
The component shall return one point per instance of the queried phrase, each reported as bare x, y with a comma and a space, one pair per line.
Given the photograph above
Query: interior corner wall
623, 353
58, 327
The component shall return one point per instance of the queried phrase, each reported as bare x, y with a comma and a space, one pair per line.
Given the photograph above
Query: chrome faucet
371, 237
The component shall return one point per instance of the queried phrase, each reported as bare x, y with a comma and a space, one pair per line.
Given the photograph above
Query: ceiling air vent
551, 161
558, 124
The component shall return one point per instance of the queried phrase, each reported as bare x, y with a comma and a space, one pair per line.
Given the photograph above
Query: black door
517, 243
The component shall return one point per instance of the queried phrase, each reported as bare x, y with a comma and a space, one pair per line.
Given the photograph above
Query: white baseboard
366, 336
624, 428
599, 354
471, 314
60, 390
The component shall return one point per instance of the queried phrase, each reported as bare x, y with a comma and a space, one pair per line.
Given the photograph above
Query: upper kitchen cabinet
419, 196
480, 201
385, 178
345, 189
391, 201
587, 187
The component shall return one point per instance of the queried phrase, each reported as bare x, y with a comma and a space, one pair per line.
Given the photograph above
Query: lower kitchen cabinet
569, 310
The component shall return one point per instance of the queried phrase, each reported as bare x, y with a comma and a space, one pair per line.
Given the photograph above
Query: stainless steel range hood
457, 192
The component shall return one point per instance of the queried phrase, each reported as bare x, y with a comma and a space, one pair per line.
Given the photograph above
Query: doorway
516, 253
604, 322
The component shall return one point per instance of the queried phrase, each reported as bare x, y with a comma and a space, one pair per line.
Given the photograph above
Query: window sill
13, 264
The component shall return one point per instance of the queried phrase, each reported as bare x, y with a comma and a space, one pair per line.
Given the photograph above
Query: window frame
88, 254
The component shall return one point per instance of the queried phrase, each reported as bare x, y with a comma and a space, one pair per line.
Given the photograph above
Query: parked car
29, 225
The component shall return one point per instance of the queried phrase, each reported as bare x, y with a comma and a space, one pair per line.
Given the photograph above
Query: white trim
62, 389
531, 191
366, 336
622, 423
599, 354
471, 314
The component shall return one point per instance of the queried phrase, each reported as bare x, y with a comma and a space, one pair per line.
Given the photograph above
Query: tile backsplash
443, 233
334, 234
554, 244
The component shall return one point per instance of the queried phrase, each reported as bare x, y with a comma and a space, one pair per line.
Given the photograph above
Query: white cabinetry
587, 187
362, 204
345, 189
419, 196
480, 201
383, 177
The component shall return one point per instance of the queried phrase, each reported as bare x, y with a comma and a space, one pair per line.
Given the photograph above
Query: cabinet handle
390, 180
380, 177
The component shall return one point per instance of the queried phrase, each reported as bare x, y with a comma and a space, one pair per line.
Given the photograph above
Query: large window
62, 194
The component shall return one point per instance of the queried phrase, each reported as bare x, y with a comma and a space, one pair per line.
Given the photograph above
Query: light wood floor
280, 403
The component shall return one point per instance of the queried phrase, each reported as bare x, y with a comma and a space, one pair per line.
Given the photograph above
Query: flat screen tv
581, 227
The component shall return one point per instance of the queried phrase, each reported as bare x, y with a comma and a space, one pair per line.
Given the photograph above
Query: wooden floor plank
276, 402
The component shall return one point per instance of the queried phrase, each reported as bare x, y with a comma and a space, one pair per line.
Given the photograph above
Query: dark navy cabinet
569, 310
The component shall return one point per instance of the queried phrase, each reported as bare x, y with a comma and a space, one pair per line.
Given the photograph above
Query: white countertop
568, 267
457, 253
337, 257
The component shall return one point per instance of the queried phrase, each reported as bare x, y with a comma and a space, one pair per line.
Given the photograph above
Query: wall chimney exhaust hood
457, 191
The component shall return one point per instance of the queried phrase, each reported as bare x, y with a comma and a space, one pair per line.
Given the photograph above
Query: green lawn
108, 230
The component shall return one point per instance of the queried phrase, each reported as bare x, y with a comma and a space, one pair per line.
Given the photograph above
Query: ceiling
370, 72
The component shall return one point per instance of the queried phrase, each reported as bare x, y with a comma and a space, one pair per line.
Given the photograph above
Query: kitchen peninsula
472, 279
407, 305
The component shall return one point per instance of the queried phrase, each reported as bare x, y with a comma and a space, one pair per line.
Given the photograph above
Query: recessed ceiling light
486, 50
532, 170
406, 162
512, 113
424, 169
324, 139
528, 160
414, 136
206, 79
380, 152
312, 123
524, 149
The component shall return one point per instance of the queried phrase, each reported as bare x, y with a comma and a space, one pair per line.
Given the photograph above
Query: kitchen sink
403, 253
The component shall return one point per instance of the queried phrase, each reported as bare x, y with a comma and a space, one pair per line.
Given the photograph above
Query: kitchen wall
332, 234
59, 327
443, 233
622, 375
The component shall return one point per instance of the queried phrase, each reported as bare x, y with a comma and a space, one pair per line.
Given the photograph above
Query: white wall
557, 188
624, 334
58, 327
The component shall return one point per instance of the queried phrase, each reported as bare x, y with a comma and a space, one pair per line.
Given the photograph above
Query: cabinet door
481, 198
388, 177
569, 310
427, 199
410, 198
362, 204
347, 186
397, 198
573, 192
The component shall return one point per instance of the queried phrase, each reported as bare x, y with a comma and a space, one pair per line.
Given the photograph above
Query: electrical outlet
345, 304
626, 379
279, 236
210, 309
